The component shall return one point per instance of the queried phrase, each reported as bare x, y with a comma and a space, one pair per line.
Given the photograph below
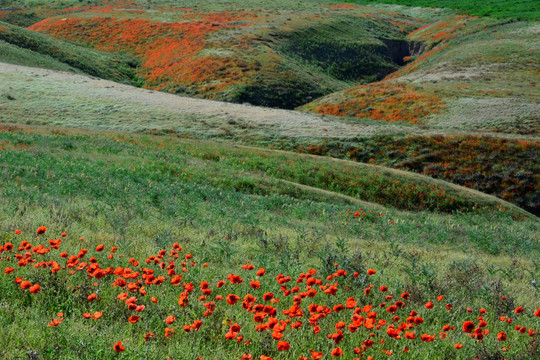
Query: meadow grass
143, 193
232, 207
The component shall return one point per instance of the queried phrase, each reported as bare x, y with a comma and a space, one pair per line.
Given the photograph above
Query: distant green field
521, 9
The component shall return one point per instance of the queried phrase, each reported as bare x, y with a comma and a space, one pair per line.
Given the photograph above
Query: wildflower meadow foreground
171, 305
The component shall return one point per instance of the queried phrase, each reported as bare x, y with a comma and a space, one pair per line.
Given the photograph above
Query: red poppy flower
119, 347
169, 332
176, 279
232, 299
337, 352
410, 335
283, 346
133, 319
34, 289
41, 230
371, 272
55, 322
501, 336
468, 326
183, 299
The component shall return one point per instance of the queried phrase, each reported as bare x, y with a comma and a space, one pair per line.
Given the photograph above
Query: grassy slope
474, 75
55, 99
506, 168
141, 193
24, 47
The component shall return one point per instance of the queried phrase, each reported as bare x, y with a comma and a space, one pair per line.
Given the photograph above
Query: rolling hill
151, 210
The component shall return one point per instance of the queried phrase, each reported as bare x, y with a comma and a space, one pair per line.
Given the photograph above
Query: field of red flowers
135, 246
174, 296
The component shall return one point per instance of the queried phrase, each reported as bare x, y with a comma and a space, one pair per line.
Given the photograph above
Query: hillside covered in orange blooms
264, 57
466, 72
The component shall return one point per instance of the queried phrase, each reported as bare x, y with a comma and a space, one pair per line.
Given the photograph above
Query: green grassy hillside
25, 47
475, 74
226, 204
138, 224
504, 167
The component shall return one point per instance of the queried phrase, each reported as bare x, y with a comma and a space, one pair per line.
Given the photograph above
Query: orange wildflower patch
436, 36
170, 52
386, 101
342, 6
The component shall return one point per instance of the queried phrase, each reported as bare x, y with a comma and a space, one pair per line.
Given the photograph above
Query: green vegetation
500, 166
140, 174
25, 47
225, 204
345, 54
503, 167
501, 9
